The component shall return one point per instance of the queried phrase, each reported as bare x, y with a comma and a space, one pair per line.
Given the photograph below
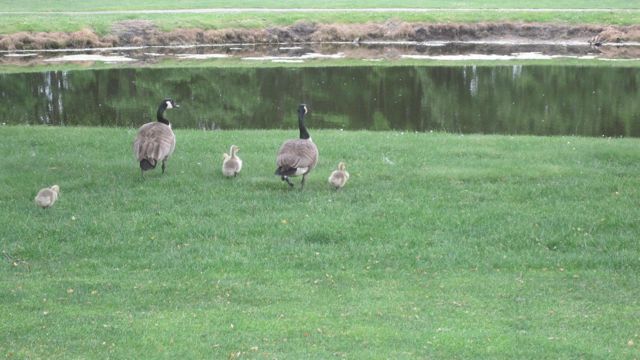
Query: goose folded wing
154, 142
298, 154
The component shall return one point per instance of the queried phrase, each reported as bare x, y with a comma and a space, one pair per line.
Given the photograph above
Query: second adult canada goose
297, 156
155, 140
47, 197
339, 177
232, 164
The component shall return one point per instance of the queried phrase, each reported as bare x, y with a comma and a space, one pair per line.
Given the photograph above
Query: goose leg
286, 178
163, 166
302, 182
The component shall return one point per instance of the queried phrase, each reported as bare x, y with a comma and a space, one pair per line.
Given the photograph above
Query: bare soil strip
145, 33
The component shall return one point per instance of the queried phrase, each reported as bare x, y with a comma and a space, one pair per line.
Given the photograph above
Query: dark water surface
508, 99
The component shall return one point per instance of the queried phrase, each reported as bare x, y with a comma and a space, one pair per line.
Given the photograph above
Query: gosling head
56, 189
341, 166
234, 149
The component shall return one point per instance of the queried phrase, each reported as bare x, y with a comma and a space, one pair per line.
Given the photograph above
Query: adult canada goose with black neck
155, 140
297, 156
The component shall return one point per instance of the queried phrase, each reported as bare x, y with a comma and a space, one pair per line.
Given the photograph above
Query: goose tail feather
285, 171
146, 164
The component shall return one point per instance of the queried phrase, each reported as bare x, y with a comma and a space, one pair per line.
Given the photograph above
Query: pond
503, 99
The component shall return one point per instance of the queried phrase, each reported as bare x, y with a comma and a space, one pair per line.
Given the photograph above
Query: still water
509, 99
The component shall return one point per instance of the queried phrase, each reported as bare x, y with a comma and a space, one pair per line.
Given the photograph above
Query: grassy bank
101, 23
440, 246
99, 5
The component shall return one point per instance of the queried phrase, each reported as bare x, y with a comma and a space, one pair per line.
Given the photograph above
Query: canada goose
232, 164
297, 156
596, 41
155, 140
47, 197
339, 177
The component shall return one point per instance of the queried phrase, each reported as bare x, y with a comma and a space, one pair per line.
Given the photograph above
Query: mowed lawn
32, 15
99, 5
440, 246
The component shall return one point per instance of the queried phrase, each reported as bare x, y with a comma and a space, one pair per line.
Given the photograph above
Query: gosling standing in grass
47, 196
297, 156
339, 177
155, 140
232, 164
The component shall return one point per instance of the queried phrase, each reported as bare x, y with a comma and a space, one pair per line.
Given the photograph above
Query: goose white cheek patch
169, 106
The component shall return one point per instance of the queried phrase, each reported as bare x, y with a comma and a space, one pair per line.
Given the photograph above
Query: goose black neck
161, 117
304, 134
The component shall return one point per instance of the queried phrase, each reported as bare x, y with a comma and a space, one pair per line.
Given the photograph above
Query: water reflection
309, 51
542, 100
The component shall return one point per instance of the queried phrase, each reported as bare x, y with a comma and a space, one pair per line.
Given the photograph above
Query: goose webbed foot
286, 178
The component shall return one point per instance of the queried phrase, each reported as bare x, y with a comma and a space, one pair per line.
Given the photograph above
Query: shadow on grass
323, 237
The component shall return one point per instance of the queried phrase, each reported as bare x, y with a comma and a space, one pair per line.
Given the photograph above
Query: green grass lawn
10, 23
102, 24
440, 246
97, 5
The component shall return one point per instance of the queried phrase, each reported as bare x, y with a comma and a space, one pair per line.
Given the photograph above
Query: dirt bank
137, 33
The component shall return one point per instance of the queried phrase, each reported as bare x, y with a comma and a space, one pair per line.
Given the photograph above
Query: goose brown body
47, 197
155, 142
297, 157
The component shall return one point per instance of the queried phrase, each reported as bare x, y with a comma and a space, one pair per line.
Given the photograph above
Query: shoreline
146, 33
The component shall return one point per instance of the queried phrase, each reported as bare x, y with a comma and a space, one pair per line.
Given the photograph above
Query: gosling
339, 177
47, 196
232, 164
